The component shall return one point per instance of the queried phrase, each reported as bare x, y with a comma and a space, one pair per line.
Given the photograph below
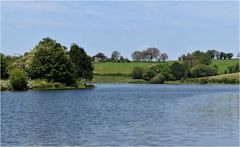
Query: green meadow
126, 68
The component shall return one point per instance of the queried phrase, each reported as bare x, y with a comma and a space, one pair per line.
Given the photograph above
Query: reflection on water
122, 114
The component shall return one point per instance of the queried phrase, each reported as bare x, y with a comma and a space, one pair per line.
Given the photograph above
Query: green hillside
223, 64
126, 68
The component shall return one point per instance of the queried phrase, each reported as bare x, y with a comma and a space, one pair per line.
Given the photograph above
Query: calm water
122, 114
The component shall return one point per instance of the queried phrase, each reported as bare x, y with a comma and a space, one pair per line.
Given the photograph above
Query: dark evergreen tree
82, 62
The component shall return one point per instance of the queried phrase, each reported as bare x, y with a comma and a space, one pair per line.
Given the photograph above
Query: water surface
122, 114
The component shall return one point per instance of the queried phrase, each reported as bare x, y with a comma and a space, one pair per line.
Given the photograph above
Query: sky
174, 27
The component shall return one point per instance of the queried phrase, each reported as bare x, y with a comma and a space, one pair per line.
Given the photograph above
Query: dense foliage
149, 74
82, 62
150, 54
158, 79
99, 57
115, 56
3, 65
52, 62
178, 70
195, 58
18, 79
201, 70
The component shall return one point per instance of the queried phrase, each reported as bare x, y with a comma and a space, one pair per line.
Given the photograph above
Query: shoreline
42, 85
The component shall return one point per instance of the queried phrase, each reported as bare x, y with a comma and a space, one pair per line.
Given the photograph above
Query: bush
155, 69
137, 73
203, 81
158, 79
171, 77
201, 70
58, 85
18, 79
164, 69
5, 85
149, 74
43, 85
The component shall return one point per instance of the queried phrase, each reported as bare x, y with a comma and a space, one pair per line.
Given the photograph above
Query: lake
122, 114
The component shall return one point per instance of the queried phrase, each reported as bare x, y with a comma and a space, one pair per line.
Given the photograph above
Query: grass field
126, 68
113, 68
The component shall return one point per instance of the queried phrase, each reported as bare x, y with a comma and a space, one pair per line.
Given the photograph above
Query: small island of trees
50, 62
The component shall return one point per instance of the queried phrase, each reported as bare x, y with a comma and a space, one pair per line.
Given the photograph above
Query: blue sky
174, 27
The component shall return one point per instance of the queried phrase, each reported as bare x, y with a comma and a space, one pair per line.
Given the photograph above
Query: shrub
48, 85
18, 79
58, 85
201, 70
203, 81
158, 79
171, 77
43, 85
5, 85
137, 73
155, 69
149, 74
164, 69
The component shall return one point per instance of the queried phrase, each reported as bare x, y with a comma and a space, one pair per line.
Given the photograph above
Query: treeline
153, 54
213, 54
193, 65
48, 60
149, 55
115, 57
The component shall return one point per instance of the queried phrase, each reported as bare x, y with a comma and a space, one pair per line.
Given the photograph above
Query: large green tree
178, 70
115, 56
195, 58
82, 62
52, 62
3, 65
229, 55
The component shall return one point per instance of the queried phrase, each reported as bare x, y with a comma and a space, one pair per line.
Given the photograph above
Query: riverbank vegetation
188, 69
49, 61
50, 65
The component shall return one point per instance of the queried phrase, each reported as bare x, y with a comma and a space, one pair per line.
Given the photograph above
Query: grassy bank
109, 72
126, 68
228, 76
116, 79
44, 85
233, 78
